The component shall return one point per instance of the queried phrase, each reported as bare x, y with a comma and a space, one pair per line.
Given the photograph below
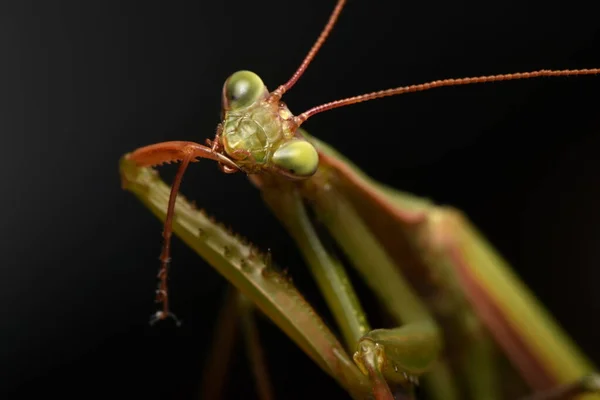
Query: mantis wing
458, 272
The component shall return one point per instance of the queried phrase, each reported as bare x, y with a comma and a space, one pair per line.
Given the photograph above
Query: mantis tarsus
453, 304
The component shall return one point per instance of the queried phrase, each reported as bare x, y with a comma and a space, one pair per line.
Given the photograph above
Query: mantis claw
161, 315
184, 152
370, 359
166, 261
161, 295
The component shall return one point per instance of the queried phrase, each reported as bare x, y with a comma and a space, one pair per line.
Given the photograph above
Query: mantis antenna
315, 48
441, 83
403, 89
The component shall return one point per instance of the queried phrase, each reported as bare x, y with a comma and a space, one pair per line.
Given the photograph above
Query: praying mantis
456, 312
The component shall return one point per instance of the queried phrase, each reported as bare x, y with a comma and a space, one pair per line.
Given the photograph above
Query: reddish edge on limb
160, 153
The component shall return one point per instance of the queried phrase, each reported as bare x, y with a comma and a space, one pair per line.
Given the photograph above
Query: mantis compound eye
242, 89
297, 158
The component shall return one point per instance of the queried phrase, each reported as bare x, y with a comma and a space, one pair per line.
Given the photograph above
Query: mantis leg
253, 348
412, 234
445, 258
236, 309
185, 152
224, 338
536, 347
412, 349
245, 268
286, 203
395, 354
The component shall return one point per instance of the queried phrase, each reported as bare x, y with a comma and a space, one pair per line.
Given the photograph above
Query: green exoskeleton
260, 133
464, 323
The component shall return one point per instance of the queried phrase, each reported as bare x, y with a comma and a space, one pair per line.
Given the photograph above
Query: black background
84, 82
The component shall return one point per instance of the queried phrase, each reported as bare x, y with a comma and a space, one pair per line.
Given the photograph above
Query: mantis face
260, 133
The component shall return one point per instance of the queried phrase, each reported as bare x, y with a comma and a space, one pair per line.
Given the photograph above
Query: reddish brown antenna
441, 83
402, 89
315, 48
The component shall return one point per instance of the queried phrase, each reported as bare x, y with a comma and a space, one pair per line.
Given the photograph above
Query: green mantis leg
330, 275
244, 267
286, 203
415, 347
512, 316
392, 355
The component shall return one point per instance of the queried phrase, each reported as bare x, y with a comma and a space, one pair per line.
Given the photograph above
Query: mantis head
260, 133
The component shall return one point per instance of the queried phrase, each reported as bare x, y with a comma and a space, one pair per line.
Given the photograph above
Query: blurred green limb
236, 310
406, 352
498, 339
330, 275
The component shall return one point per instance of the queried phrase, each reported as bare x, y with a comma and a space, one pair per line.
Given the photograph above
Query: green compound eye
242, 89
298, 158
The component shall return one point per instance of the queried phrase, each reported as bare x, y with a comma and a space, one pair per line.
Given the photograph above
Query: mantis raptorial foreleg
284, 200
243, 266
385, 279
439, 241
